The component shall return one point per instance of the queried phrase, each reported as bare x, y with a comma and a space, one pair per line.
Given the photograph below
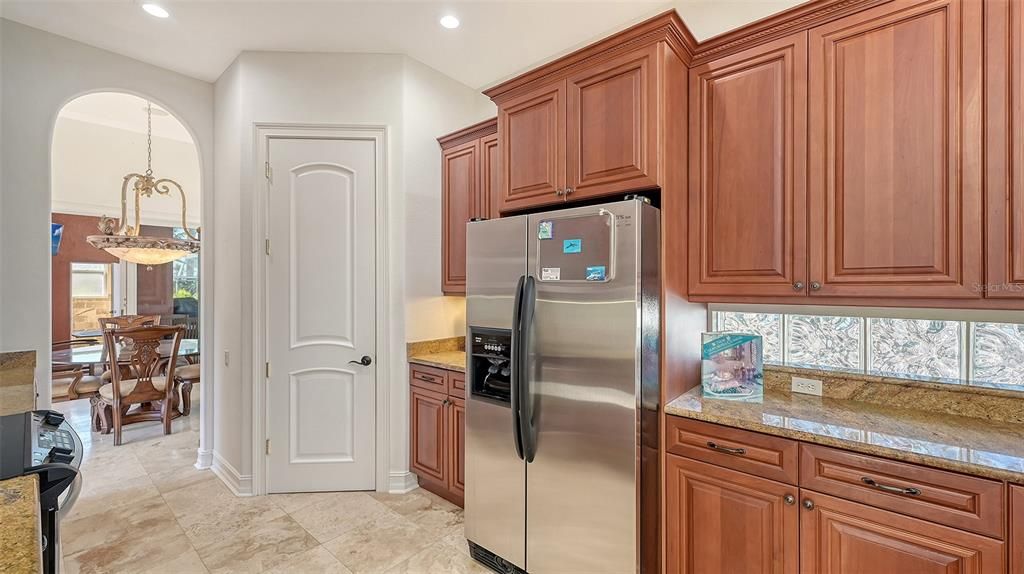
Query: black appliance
43, 443
490, 353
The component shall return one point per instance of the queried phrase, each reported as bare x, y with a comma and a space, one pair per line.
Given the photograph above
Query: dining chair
69, 382
138, 380
121, 322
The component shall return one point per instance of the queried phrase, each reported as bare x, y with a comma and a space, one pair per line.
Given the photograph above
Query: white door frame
260, 409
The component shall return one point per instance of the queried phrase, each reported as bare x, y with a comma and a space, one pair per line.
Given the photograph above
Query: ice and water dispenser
491, 366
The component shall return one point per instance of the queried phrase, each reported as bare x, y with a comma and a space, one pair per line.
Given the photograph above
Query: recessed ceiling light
450, 22
156, 10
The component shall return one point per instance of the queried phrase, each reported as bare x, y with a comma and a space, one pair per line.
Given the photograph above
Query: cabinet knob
798, 286
815, 286
808, 504
559, 192
789, 499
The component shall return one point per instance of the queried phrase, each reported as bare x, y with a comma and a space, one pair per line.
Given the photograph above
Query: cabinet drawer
956, 500
429, 378
457, 384
758, 454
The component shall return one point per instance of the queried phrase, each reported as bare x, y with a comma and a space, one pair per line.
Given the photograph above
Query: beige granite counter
451, 360
17, 382
19, 525
441, 353
973, 445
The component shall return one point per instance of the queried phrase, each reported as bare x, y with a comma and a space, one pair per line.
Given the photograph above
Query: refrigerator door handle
529, 434
517, 422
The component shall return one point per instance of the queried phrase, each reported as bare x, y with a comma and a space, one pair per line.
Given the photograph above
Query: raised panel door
748, 142
721, 520
612, 125
1004, 38
842, 537
895, 151
1016, 528
531, 129
489, 195
460, 189
457, 449
427, 444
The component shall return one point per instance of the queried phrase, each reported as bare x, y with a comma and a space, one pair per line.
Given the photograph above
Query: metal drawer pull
890, 489
727, 450
428, 378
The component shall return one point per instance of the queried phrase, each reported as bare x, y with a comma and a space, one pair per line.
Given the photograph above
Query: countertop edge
22, 545
876, 450
432, 360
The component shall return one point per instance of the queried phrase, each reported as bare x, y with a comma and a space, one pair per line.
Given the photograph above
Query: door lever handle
366, 361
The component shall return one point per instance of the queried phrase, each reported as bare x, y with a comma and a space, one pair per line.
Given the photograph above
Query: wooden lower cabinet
1017, 529
721, 520
437, 431
842, 537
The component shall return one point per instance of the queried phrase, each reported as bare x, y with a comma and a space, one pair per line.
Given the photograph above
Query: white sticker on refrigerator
550, 273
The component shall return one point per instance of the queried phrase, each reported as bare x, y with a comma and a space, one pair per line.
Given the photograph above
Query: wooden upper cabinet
842, 537
748, 225
468, 191
490, 179
895, 151
1004, 42
721, 520
531, 132
459, 184
612, 111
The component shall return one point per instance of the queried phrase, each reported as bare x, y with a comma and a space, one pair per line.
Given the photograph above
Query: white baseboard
402, 482
204, 459
240, 485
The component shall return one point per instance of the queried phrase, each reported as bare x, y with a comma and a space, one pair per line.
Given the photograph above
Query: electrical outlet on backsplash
961, 400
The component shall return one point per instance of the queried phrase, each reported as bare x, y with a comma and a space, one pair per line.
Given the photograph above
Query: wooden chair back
128, 321
144, 363
191, 325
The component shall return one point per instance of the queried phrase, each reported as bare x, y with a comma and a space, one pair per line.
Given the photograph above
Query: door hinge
266, 245
267, 171
268, 369
268, 446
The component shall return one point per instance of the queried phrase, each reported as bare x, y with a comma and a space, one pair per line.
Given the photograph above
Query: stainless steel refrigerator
562, 377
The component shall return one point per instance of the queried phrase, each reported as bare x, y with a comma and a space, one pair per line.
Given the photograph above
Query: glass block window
945, 350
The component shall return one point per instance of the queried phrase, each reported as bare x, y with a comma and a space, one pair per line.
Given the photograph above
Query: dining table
89, 355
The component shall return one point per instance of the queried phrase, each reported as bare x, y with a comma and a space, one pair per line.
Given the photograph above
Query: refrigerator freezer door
584, 391
495, 497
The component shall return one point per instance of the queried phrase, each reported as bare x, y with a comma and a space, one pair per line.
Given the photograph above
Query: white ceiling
497, 39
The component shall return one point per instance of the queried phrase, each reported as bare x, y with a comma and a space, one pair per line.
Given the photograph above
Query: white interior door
321, 301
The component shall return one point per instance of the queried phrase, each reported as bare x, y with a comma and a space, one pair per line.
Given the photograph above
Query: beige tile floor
145, 509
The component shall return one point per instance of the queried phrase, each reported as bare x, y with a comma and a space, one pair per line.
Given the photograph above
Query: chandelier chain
149, 138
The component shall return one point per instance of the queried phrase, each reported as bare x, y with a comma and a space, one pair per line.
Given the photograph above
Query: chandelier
123, 240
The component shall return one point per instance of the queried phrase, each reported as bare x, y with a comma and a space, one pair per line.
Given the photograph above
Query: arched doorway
98, 138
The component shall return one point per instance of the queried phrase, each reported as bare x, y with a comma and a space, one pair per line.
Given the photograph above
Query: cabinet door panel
460, 189
748, 226
428, 447
842, 537
531, 129
489, 196
720, 520
1016, 528
457, 448
895, 151
613, 126
1004, 37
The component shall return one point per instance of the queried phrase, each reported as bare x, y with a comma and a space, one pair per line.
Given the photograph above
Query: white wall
41, 72
417, 104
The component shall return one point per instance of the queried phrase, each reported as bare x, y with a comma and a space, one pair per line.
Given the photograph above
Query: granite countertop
971, 445
19, 533
451, 360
